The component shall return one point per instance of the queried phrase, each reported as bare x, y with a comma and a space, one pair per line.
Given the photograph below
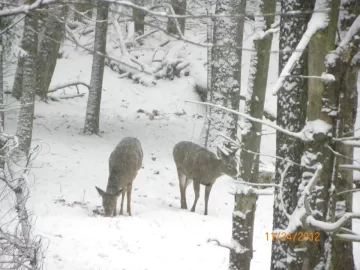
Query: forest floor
158, 235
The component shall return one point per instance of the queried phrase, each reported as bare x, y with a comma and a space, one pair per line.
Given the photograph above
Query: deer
124, 163
197, 164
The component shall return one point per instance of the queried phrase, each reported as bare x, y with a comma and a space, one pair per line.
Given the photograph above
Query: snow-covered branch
351, 33
348, 191
76, 41
25, 8
306, 134
317, 22
68, 84
349, 167
211, 15
351, 143
300, 213
331, 227
220, 244
19, 248
348, 237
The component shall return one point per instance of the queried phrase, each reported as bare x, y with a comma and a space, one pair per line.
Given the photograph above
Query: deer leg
122, 201
182, 185
115, 210
207, 193
196, 185
128, 196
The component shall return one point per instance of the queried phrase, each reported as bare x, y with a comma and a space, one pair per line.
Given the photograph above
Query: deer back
124, 163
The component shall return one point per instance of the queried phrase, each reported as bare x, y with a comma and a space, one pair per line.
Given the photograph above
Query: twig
64, 85
348, 191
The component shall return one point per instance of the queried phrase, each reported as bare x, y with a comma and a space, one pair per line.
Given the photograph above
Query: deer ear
100, 191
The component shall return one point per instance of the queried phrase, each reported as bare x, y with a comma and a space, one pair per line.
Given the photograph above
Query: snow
159, 235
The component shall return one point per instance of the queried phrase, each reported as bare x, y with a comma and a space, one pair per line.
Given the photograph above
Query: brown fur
124, 163
196, 163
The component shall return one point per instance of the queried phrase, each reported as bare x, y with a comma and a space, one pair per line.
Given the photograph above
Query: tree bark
291, 115
346, 74
243, 224
54, 33
92, 117
27, 101
243, 227
179, 7
139, 17
18, 80
225, 70
84, 8
2, 105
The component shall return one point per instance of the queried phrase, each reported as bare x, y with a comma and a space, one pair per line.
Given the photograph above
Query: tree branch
69, 84
298, 135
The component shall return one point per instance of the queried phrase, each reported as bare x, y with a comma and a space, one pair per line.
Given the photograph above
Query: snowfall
159, 235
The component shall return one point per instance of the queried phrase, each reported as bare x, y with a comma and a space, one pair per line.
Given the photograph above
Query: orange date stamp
295, 237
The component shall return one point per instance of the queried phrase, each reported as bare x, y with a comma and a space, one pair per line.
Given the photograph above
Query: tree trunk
2, 105
345, 73
92, 117
225, 70
179, 7
242, 233
27, 101
243, 224
49, 49
291, 115
204, 136
18, 80
139, 17
322, 102
342, 255
83, 9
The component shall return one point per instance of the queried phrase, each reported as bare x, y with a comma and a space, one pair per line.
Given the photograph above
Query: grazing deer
196, 163
124, 163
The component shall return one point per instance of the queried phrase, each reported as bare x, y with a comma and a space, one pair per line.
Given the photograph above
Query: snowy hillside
158, 235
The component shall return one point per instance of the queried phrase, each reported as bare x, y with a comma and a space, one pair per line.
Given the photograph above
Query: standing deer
124, 163
196, 164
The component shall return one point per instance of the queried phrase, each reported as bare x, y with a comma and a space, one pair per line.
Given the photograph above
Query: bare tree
83, 8
346, 72
92, 117
245, 202
291, 114
27, 101
179, 7
139, 17
19, 248
53, 34
225, 70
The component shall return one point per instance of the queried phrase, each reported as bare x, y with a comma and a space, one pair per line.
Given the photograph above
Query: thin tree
245, 203
225, 71
342, 251
2, 105
27, 101
139, 17
53, 34
291, 115
92, 117
179, 7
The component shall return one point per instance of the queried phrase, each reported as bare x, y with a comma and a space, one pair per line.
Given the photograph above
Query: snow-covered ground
159, 235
